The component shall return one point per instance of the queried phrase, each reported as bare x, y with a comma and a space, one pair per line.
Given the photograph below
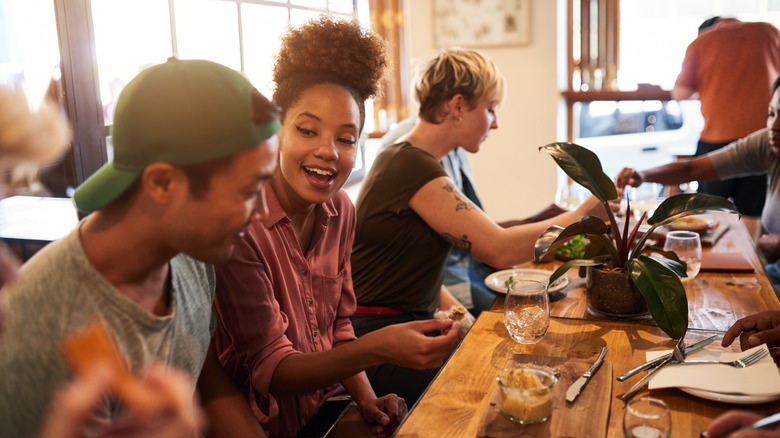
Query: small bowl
526, 394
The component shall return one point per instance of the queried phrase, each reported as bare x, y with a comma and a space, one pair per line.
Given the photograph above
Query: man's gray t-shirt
748, 156
57, 293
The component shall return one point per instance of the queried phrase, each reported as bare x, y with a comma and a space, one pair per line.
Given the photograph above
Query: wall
513, 178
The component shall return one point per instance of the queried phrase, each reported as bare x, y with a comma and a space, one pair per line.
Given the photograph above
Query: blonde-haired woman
410, 214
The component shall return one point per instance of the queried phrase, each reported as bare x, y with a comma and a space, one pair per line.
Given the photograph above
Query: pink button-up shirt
272, 301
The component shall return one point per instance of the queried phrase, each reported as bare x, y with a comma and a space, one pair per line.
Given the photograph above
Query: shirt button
305, 272
311, 303
315, 333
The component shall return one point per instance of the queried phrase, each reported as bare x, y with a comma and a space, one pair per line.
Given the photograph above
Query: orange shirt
732, 66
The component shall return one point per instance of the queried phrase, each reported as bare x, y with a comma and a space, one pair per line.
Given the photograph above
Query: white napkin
761, 378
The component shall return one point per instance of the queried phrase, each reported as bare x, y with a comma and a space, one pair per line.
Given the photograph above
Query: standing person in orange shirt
731, 65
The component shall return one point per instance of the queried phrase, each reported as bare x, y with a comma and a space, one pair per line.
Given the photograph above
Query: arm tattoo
461, 243
462, 202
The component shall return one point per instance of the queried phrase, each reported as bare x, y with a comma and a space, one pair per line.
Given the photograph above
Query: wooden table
715, 299
458, 397
455, 401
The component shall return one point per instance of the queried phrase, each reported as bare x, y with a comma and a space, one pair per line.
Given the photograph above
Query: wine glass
687, 246
527, 311
646, 198
647, 417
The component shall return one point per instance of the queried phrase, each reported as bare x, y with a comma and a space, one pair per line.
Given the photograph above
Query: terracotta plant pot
613, 295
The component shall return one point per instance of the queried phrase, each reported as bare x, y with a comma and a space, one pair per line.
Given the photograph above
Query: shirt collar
276, 213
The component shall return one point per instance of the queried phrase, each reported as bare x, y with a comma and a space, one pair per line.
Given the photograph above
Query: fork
742, 362
677, 356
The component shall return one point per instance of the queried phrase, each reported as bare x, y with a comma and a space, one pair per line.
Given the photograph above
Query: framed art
480, 23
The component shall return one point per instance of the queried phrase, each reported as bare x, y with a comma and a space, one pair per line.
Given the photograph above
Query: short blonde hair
457, 71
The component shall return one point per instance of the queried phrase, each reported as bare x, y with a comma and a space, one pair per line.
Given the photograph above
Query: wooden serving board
588, 416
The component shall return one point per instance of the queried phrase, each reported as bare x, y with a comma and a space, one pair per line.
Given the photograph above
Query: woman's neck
437, 140
301, 213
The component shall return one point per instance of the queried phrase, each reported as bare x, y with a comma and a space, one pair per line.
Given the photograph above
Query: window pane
321, 4
262, 27
29, 53
301, 16
122, 48
342, 6
208, 29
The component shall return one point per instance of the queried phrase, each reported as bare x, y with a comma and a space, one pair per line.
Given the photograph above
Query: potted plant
624, 251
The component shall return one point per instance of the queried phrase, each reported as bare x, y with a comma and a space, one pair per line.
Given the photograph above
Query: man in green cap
194, 144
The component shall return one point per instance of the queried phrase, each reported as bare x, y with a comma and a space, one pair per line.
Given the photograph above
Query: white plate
741, 399
496, 281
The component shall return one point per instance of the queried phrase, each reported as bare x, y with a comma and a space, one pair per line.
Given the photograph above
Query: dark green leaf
686, 204
664, 293
584, 167
679, 267
668, 254
598, 261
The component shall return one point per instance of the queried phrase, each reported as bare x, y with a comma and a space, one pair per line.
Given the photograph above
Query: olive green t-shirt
397, 259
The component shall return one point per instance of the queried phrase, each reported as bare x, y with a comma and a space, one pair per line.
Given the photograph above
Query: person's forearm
359, 388
226, 407
678, 172
302, 372
447, 300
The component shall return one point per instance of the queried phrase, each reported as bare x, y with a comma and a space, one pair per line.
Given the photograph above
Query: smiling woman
283, 301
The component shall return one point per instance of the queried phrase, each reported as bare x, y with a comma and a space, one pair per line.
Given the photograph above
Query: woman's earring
458, 121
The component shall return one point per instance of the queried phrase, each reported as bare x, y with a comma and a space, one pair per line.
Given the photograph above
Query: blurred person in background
730, 67
26, 138
756, 154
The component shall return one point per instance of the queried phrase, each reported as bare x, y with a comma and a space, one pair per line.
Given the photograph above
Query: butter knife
695, 347
576, 387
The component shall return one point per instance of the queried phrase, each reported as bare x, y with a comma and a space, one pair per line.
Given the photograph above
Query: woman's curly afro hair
329, 50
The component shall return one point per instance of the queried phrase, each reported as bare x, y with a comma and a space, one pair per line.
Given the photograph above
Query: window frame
81, 86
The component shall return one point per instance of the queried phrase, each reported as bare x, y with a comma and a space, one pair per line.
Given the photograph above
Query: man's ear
162, 181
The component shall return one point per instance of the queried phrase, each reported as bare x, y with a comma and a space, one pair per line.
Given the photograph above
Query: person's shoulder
57, 261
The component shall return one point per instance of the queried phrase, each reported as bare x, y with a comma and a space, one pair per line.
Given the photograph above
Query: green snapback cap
180, 112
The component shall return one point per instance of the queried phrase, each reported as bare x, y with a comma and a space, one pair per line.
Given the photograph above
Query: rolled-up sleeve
251, 339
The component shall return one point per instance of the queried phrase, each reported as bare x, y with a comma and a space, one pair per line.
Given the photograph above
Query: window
105, 43
615, 48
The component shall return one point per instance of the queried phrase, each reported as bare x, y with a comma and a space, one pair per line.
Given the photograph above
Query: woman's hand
407, 344
386, 412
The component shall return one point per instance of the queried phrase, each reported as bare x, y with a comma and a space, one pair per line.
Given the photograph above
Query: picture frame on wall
482, 23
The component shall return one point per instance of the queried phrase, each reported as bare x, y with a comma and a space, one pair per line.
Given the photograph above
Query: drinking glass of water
647, 417
687, 246
527, 311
